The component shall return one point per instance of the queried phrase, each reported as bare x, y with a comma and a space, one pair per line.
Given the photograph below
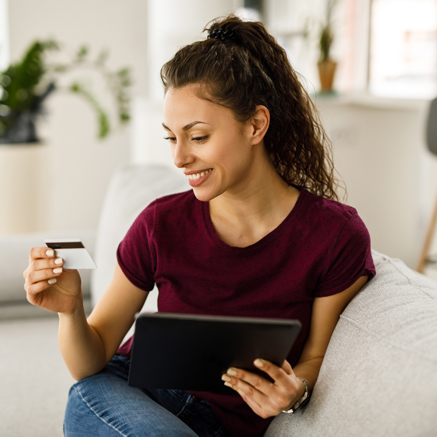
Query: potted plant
326, 65
25, 85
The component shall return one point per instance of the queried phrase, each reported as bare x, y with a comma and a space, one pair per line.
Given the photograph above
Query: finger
48, 263
257, 407
43, 264
39, 280
32, 291
278, 374
256, 400
254, 380
40, 252
248, 392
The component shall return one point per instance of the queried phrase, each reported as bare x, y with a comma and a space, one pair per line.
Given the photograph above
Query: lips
195, 176
198, 178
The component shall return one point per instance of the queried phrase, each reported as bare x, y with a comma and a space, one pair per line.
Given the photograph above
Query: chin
204, 195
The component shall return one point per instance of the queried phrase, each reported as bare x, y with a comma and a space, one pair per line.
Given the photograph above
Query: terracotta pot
326, 74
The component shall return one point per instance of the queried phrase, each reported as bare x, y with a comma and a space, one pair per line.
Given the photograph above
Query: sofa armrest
14, 256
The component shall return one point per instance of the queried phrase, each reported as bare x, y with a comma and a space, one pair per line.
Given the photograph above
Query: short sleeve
350, 258
135, 255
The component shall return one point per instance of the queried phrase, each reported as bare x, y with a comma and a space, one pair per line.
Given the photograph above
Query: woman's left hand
264, 397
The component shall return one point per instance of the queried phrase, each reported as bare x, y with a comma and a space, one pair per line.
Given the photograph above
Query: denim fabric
105, 405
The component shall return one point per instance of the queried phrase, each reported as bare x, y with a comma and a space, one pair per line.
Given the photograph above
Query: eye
200, 139
170, 139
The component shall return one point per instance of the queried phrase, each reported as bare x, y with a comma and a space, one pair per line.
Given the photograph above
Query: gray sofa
379, 376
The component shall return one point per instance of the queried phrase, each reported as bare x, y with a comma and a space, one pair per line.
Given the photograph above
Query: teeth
193, 177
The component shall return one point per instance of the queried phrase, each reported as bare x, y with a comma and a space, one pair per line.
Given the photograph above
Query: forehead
183, 105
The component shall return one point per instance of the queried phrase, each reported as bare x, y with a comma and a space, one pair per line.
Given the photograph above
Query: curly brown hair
240, 66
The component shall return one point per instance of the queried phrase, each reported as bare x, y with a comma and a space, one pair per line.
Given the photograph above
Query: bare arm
325, 314
86, 345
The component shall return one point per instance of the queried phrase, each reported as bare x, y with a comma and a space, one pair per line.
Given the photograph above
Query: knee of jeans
73, 399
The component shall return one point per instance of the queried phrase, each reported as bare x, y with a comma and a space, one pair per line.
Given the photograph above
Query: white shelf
370, 101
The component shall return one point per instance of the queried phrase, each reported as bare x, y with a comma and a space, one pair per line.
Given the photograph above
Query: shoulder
177, 200
332, 221
161, 215
172, 203
327, 209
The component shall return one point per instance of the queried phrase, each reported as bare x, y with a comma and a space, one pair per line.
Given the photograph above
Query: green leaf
26, 75
104, 125
123, 73
103, 56
81, 54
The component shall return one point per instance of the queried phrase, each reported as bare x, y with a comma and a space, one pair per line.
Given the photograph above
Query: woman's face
211, 147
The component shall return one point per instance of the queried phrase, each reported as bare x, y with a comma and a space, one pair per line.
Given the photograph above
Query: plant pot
22, 131
24, 187
326, 74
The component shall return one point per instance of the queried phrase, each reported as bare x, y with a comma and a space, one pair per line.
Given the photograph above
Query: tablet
191, 352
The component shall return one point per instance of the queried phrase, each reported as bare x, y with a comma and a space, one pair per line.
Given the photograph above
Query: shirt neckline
292, 216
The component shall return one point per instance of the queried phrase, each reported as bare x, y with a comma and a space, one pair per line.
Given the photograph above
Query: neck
252, 210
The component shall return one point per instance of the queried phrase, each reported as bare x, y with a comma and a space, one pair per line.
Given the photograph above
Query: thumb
286, 367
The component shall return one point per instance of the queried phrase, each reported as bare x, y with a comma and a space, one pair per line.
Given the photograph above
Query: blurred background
375, 111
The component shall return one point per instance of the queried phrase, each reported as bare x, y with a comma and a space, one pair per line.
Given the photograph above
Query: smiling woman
259, 235
217, 152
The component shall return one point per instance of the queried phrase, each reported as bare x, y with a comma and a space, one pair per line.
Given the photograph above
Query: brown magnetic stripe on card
66, 245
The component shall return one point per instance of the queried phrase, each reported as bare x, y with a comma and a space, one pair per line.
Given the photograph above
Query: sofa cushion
379, 375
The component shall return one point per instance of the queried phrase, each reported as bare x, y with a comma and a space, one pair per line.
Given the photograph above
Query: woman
260, 234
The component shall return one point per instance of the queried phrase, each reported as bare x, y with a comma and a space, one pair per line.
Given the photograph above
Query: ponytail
240, 66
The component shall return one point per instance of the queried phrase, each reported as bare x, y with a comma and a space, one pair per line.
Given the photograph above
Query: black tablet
191, 352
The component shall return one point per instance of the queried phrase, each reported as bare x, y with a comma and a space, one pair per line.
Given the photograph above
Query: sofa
378, 378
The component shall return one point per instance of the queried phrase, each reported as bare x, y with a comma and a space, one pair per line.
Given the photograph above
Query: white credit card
73, 252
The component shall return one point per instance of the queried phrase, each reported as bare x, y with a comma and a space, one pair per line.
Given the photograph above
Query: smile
193, 177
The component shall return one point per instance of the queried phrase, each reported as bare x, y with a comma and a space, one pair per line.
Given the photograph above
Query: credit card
73, 252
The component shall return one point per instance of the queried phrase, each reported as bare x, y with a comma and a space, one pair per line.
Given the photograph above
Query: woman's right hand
58, 292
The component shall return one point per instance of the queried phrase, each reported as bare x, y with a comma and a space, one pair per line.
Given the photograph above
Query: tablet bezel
200, 348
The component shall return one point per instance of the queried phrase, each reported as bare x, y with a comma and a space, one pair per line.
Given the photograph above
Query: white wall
80, 165
172, 24
379, 151
4, 35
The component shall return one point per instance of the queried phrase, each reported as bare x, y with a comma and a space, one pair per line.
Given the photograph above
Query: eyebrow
187, 127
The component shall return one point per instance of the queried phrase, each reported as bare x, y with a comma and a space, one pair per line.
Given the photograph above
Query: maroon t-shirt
320, 249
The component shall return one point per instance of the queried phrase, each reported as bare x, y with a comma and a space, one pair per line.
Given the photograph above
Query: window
403, 48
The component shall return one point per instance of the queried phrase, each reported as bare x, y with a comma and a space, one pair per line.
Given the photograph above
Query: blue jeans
105, 405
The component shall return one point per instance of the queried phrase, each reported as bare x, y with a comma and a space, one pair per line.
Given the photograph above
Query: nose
181, 155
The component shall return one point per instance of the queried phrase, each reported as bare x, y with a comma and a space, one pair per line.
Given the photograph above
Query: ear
259, 124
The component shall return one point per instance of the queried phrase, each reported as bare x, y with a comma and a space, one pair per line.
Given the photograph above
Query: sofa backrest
379, 375
131, 189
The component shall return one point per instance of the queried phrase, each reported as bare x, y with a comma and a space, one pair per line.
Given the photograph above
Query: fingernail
58, 270
52, 281
50, 252
231, 372
225, 378
259, 362
58, 261
228, 385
